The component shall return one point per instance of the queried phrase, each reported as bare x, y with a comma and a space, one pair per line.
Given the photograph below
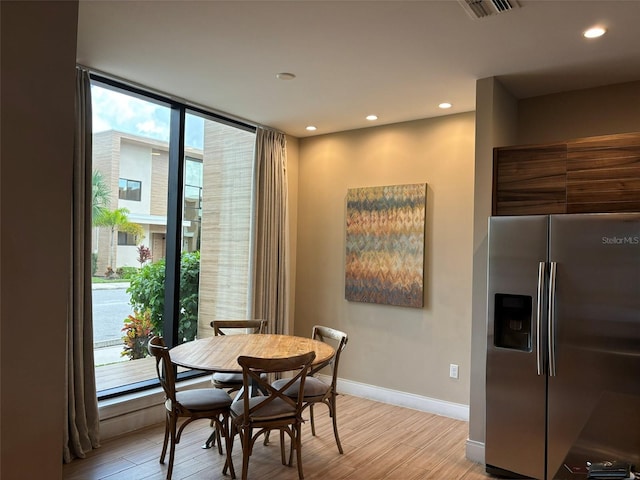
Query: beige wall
405, 349
496, 114
38, 69
581, 113
503, 120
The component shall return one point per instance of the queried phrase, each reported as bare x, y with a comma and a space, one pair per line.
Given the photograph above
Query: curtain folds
271, 257
81, 432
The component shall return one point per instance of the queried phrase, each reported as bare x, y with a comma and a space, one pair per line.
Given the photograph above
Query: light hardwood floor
380, 442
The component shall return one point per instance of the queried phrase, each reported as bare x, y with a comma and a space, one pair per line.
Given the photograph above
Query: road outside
110, 308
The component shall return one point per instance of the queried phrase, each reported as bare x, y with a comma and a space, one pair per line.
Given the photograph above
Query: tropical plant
100, 195
147, 293
137, 332
144, 255
117, 221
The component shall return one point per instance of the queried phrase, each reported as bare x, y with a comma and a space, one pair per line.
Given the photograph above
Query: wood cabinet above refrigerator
587, 175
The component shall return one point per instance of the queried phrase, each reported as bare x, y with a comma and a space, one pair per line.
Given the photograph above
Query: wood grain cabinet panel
603, 174
588, 175
530, 180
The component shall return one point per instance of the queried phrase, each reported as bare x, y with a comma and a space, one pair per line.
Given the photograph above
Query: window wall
173, 229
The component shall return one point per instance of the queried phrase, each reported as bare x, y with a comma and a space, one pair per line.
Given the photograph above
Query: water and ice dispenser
512, 322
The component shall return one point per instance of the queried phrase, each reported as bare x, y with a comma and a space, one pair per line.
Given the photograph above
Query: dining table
219, 353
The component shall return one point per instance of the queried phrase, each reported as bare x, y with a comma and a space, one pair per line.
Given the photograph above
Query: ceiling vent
486, 8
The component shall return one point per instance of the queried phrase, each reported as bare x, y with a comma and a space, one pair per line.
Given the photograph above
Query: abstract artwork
385, 245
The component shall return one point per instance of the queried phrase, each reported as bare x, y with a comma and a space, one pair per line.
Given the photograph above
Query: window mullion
174, 226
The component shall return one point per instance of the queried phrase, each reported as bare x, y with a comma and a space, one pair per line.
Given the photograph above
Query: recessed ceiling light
445, 105
285, 76
371, 118
594, 32
311, 128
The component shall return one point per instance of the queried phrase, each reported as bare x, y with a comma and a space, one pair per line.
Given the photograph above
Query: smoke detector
486, 8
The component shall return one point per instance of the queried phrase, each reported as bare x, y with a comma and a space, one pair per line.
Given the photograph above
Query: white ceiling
396, 59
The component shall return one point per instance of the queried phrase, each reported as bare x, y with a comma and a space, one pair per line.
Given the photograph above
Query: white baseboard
475, 451
403, 399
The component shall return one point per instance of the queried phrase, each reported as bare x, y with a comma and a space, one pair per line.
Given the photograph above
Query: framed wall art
385, 245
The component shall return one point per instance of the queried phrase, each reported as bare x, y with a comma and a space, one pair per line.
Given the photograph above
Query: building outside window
125, 238
213, 235
129, 189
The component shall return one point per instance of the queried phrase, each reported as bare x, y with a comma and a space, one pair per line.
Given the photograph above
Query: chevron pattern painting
385, 245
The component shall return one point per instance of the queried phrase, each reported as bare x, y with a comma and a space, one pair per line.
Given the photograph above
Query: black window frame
127, 190
174, 212
129, 239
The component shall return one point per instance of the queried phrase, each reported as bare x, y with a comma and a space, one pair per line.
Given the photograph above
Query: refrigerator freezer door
516, 393
594, 398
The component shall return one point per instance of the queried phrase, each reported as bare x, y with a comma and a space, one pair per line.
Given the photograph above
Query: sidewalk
106, 355
108, 350
109, 286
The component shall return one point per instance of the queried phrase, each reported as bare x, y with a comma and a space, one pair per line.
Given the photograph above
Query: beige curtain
271, 259
81, 432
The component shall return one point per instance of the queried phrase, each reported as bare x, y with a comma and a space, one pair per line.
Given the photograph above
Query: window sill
134, 411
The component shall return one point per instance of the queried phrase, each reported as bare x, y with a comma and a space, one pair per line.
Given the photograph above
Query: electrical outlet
453, 370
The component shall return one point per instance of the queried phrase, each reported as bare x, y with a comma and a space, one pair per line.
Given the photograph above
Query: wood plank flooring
380, 442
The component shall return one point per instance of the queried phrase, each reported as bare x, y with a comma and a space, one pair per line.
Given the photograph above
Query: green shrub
126, 272
147, 293
94, 264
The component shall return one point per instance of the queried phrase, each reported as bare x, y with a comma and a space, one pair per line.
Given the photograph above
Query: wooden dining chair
193, 404
231, 382
316, 390
274, 411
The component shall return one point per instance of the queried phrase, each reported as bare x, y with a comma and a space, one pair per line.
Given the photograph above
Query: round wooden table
220, 353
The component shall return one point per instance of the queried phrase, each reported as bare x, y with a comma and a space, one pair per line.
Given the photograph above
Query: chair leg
211, 441
219, 441
245, 436
167, 420
228, 443
172, 445
334, 417
228, 462
282, 457
297, 430
313, 425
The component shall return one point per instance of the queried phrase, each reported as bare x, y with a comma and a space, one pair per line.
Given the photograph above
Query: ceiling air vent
486, 8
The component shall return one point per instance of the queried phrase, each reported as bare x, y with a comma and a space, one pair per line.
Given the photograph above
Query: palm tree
100, 195
118, 221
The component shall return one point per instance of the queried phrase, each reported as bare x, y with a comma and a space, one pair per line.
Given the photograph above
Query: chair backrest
164, 367
222, 327
253, 369
338, 340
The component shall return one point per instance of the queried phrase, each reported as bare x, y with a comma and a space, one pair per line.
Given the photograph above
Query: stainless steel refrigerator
563, 349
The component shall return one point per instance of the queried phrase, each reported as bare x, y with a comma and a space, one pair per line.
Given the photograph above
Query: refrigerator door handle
539, 313
551, 341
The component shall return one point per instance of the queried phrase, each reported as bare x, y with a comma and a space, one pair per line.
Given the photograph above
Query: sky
116, 111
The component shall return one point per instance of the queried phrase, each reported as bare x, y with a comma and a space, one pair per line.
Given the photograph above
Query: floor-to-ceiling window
171, 228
